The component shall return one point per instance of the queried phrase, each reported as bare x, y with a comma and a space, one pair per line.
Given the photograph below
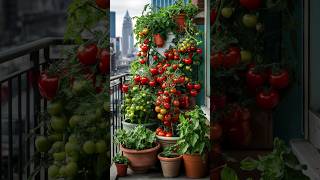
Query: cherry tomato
155, 57
169, 134
48, 85
193, 92
144, 80
136, 78
159, 129
152, 83
279, 80
167, 117
87, 55
197, 86
199, 51
267, 100
166, 105
153, 71
187, 61
142, 61
190, 86
254, 79
161, 133
251, 4
176, 103
125, 88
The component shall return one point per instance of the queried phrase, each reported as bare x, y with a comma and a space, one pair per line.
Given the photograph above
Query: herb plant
139, 138
119, 159
194, 132
280, 164
169, 152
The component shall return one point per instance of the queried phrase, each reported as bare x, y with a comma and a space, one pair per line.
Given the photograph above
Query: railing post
34, 58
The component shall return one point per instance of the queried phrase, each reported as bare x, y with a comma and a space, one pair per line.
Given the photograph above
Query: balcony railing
21, 103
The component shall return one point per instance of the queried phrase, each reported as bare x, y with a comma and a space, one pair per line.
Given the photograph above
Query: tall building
112, 24
127, 36
156, 4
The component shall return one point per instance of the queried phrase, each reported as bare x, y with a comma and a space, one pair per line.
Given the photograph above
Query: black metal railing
21, 103
116, 99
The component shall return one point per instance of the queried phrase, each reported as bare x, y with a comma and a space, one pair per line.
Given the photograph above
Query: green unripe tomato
42, 144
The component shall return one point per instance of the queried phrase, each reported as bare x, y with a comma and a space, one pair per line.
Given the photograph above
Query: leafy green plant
194, 132
169, 152
280, 164
228, 173
180, 7
138, 138
137, 105
119, 159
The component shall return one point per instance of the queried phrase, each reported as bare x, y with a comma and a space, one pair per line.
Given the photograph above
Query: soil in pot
158, 40
141, 161
121, 169
196, 166
180, 20
170, 166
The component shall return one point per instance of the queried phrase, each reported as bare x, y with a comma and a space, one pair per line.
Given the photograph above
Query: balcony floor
154, 174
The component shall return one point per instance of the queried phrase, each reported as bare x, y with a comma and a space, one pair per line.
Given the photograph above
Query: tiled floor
154, 174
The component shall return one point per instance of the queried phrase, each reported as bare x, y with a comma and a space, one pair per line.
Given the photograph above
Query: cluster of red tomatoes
89, 55
267, 99
226, 60
162, 132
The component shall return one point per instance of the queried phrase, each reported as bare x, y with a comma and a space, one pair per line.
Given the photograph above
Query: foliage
138, 138
169, 152
280, 164
193, 133
137, 105
83, 16
228, 173
119, 159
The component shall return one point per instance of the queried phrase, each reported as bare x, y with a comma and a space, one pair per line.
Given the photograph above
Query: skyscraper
127, 35
112, 24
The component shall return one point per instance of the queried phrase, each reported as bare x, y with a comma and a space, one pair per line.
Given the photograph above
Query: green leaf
194, 139
248, 164
228, 174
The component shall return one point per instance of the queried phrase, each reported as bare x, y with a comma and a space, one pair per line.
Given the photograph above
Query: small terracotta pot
170, 166
141, 161
158, 40
215, 174
121, 169
195, 165
180, 20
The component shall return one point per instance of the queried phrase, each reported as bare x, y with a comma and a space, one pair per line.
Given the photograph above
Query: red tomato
193, 92
199, 51
174, 66
176, 103
103, 4
48, 86
197, 86
166, 99
166, 54
169, 134
152, 83
167, 117
216, 131
176, 57
146, 41
153, 71
144, 48
161, 70
187, 61
164, 85
217, 60
144, 80
251, 4
254, 79
181, 79
155, 58
279, 80
87, 55
142, 61
213, 16
125, 88
166, 105
232, 58
161, 133
190, 86
137, 78
104, 64
167, 123
170, 56
159, 129
173, 90
267, 100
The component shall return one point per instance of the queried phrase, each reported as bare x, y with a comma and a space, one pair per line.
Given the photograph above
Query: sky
134, 7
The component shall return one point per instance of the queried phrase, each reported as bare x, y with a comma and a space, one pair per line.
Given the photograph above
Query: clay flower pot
170, 166
195, 165
167, 141
158, 40
121, 169
180, 20
141, 161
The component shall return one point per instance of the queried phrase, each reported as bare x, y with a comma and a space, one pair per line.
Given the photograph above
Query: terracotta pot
121, 169
141, 161
167, 141
195, 165
215, 174
180, 20
158, 40
170, 166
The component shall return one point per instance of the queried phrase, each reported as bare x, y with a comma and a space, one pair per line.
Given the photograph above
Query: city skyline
127, 35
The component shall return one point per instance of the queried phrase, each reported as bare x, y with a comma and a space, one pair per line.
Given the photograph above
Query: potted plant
137, 105
139, 146
121, 163
180, 10
194, 142
170, 162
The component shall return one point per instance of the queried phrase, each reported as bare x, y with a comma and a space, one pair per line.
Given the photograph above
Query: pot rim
167, 138
120, 164
180, 14
132, 151
169, 159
